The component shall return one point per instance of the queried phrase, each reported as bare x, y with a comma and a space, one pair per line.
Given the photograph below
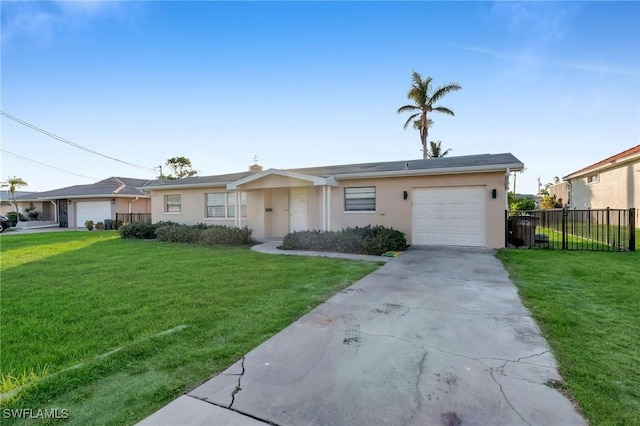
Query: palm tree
435, 150
424, 98
13, 183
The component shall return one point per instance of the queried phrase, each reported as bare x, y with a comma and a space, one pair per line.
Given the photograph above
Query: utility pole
539, 184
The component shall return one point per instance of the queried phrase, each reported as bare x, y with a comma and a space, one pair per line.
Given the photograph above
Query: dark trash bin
108, 226
524, 230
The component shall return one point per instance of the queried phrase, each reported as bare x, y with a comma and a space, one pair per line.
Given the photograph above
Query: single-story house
613, 182
71, 206
6, 201
441, 201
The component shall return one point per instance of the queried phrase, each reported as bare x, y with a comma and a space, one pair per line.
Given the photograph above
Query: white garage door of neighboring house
97, 211
451, 216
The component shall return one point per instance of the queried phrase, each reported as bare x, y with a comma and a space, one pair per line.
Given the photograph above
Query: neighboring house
6, 201
561, 191
73, 205
440, 201
613, 182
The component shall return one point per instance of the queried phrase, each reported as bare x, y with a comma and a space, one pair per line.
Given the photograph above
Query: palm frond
406, 108
444, 110
413, 116
440, 92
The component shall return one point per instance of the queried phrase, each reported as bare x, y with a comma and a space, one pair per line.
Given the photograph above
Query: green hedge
177, 233
374, 240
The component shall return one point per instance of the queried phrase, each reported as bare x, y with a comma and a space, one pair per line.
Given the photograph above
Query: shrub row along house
441, 201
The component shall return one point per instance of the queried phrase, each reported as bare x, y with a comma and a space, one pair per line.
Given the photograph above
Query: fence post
564, 228
506, 228
632, 229
608, 226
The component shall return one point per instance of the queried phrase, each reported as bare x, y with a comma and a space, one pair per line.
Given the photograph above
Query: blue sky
307, 84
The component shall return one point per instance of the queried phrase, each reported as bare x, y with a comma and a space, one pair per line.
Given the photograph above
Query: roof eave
183, 186
602, 167
440, 171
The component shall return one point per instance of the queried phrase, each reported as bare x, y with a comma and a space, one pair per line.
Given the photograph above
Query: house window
593, 178
360, 199
222, 205
172, 203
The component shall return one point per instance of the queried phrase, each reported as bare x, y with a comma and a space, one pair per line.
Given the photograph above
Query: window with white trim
173, 203
362, 199
593, 178
222, 205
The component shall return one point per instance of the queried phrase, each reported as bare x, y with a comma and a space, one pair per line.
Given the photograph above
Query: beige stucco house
613, 182
443, 201
71, 206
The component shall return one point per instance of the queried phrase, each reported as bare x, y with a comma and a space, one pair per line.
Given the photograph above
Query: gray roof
5, 196
114, 187
432, 165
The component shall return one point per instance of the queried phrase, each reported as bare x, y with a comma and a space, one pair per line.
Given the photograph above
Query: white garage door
451, 216
97, 211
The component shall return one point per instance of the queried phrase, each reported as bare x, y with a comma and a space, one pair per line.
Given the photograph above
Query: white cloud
40, 21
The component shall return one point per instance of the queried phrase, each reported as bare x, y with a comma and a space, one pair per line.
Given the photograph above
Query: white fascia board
427, 172
316, 180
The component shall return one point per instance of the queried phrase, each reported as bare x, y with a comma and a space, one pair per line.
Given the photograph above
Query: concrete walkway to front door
437, 336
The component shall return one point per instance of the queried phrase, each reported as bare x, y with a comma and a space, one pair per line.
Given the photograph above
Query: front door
63, 213
298, 209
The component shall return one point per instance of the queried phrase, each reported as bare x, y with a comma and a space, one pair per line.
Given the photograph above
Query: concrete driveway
437, 336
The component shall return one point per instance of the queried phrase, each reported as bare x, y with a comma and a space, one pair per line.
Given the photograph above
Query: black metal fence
572, 229
132, 217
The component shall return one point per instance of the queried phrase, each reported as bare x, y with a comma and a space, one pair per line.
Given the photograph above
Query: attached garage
97, 211
450, 216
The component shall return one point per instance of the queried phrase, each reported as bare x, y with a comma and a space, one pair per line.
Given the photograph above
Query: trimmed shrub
218, 234
359, 240
13, 217
100, 226
178, 233
88, 224
140, 230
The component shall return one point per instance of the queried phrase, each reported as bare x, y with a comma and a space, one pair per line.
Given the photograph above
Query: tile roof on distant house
114, 187
461, 164
614, 160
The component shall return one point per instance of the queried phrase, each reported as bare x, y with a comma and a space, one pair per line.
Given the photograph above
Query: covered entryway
97, 211
449, 216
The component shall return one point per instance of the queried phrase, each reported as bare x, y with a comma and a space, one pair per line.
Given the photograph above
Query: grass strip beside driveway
588, 307
92, 321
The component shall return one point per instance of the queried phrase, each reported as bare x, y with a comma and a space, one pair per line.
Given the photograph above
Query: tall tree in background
13, 184
435, 150
424, 98
181, 167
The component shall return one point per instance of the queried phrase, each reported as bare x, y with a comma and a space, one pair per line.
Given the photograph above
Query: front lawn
588, 307
111, 330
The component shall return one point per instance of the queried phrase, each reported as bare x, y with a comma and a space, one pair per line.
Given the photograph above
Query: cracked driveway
437, 336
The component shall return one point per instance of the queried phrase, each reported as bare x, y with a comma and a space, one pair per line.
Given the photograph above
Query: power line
29, 160
75, 145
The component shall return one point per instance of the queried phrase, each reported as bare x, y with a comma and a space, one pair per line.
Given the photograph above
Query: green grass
69, 300
588, 307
